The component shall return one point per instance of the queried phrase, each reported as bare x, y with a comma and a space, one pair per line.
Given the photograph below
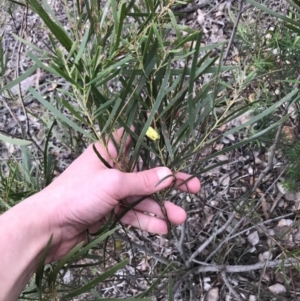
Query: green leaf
73, 111
58, 31
57, 113
154, 110
156, 282
82, 46
110, 69
13, 140
97, 280
60, 265
40, 268
32, 46
54, 69
119, 29
118, 299
20, 78
192, 79
266, 112
273, 13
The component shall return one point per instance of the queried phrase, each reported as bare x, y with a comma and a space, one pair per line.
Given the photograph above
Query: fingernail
163, 172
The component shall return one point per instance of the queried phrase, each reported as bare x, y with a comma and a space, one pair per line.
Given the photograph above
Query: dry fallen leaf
289, 134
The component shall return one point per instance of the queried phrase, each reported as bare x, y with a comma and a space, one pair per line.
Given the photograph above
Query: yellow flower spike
152, 134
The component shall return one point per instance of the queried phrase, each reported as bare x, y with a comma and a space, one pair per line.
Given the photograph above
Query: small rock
252, 298
230, 137
206, 283
281, 188
213, 295
279, 277
253, 238
222, 158
285, 223
277, 289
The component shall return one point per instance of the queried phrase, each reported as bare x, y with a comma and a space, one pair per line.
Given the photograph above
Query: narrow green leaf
110, 69
57, 113
51, 13
54, 70
183, 158
73, 111
176, 72
40, 269
175, 26
13, 140
46, 154
60, 265
20, 78
98, 280
192, 79
266, 112
154, 110
273, 13
121, 17
58, 31
118, 299
113, 114
82, 46
156, 282
25, 42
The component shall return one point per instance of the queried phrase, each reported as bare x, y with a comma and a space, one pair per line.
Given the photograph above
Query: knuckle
145, 180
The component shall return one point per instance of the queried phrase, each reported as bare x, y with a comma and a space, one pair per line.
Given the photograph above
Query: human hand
87, 191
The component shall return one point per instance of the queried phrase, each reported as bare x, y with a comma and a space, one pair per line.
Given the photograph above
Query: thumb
143, 183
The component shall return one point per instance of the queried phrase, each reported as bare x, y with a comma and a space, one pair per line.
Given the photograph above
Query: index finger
110, 153
187, 183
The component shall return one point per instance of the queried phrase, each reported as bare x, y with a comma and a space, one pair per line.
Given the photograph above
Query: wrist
24, 234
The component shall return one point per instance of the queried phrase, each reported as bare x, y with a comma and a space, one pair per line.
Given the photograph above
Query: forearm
24, 234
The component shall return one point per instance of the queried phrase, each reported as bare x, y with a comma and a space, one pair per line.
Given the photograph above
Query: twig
23, 27
270, 160
191, 9
12, 113
273, 183
259, 224
236, 23
180, 247
158, 258
244, 231
224, 241
277, 199
237, 268
248, 229
209, 240
230, 287
27, 132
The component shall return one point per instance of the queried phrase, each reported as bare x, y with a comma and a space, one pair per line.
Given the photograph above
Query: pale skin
85, 193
